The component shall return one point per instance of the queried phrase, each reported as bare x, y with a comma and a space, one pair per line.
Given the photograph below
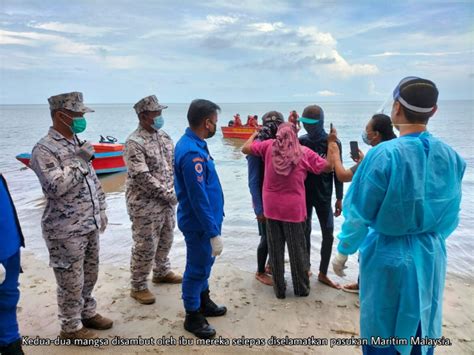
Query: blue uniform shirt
199, 191
10, 233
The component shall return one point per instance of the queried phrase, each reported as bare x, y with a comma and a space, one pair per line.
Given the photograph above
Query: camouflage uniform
71, 219
150, 198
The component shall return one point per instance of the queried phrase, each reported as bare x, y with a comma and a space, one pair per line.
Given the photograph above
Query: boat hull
238, 132
103, 163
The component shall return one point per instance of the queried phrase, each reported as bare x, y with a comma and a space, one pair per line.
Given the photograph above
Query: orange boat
242, 132
108, 158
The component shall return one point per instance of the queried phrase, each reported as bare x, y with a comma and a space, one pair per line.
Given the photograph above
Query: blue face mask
365, 138
158, 122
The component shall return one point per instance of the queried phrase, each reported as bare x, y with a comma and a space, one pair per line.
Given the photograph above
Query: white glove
85, 151
339, 264
217, 245
3, 273
103, 222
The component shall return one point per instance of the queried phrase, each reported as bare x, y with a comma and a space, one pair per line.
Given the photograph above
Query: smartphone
354, 150
330, 127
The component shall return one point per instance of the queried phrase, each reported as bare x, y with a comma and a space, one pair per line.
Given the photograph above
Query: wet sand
253, 313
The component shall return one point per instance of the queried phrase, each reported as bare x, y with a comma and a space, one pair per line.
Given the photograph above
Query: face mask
158, 122
313, 129
211, 133
365, 138
78, 125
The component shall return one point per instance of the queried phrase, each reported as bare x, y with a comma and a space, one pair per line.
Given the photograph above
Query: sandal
351, 288
264, 278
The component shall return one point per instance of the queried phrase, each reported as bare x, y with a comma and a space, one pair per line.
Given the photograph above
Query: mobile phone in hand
330, 127
354, 150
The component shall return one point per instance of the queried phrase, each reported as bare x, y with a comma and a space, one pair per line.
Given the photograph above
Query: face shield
386, 107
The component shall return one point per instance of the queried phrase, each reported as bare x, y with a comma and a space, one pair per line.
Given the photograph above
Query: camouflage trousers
75, 262
152, 240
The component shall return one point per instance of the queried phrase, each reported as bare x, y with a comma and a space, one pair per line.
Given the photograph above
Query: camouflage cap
149, 103
71, 101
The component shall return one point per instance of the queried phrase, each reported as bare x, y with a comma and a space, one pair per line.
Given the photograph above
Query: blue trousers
415, 350
9, 296
199, 261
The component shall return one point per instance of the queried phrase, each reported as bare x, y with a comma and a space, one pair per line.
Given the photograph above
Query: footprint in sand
164, 321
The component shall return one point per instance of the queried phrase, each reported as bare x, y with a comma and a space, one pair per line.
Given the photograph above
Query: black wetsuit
319, 195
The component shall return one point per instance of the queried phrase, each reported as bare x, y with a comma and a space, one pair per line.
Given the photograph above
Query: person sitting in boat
237, 121
231, 123
251, 121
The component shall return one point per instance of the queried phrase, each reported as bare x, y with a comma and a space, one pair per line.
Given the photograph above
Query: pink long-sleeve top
284, 196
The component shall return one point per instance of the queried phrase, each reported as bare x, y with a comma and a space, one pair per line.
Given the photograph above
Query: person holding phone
319, 189
379, 129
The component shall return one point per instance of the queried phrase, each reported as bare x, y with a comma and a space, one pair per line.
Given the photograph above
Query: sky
232, 51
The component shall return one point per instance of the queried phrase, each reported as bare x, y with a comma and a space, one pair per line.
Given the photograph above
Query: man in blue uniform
200, 215
11, 239
402, 204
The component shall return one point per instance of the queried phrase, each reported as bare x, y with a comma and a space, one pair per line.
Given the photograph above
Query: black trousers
326, 221
262, 249
292, 234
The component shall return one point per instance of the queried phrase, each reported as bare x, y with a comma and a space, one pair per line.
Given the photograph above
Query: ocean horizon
24, 125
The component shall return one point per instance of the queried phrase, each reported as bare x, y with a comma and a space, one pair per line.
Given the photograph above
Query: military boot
143, 296
209, 308
98, 322
169, 278
197, 324
82, 333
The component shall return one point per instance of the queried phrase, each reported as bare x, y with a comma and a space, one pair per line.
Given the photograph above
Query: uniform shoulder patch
198, 168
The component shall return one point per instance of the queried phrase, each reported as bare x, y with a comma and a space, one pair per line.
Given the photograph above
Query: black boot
12, 348
209, 308
197, 324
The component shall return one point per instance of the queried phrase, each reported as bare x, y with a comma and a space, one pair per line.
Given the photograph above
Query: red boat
243, 132
108, 158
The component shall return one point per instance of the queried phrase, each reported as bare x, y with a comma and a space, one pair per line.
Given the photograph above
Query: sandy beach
254, 315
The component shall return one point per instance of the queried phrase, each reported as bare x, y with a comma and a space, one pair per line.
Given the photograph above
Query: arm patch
198, 167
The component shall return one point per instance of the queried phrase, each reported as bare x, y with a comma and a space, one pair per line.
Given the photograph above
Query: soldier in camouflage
74, 215
149, 155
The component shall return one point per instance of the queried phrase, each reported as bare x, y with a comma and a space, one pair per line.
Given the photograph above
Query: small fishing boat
242, 132
108, 157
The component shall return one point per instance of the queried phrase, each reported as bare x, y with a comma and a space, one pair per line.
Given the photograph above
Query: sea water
23, 125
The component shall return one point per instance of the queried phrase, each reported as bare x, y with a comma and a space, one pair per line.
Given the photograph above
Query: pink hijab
286, 149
